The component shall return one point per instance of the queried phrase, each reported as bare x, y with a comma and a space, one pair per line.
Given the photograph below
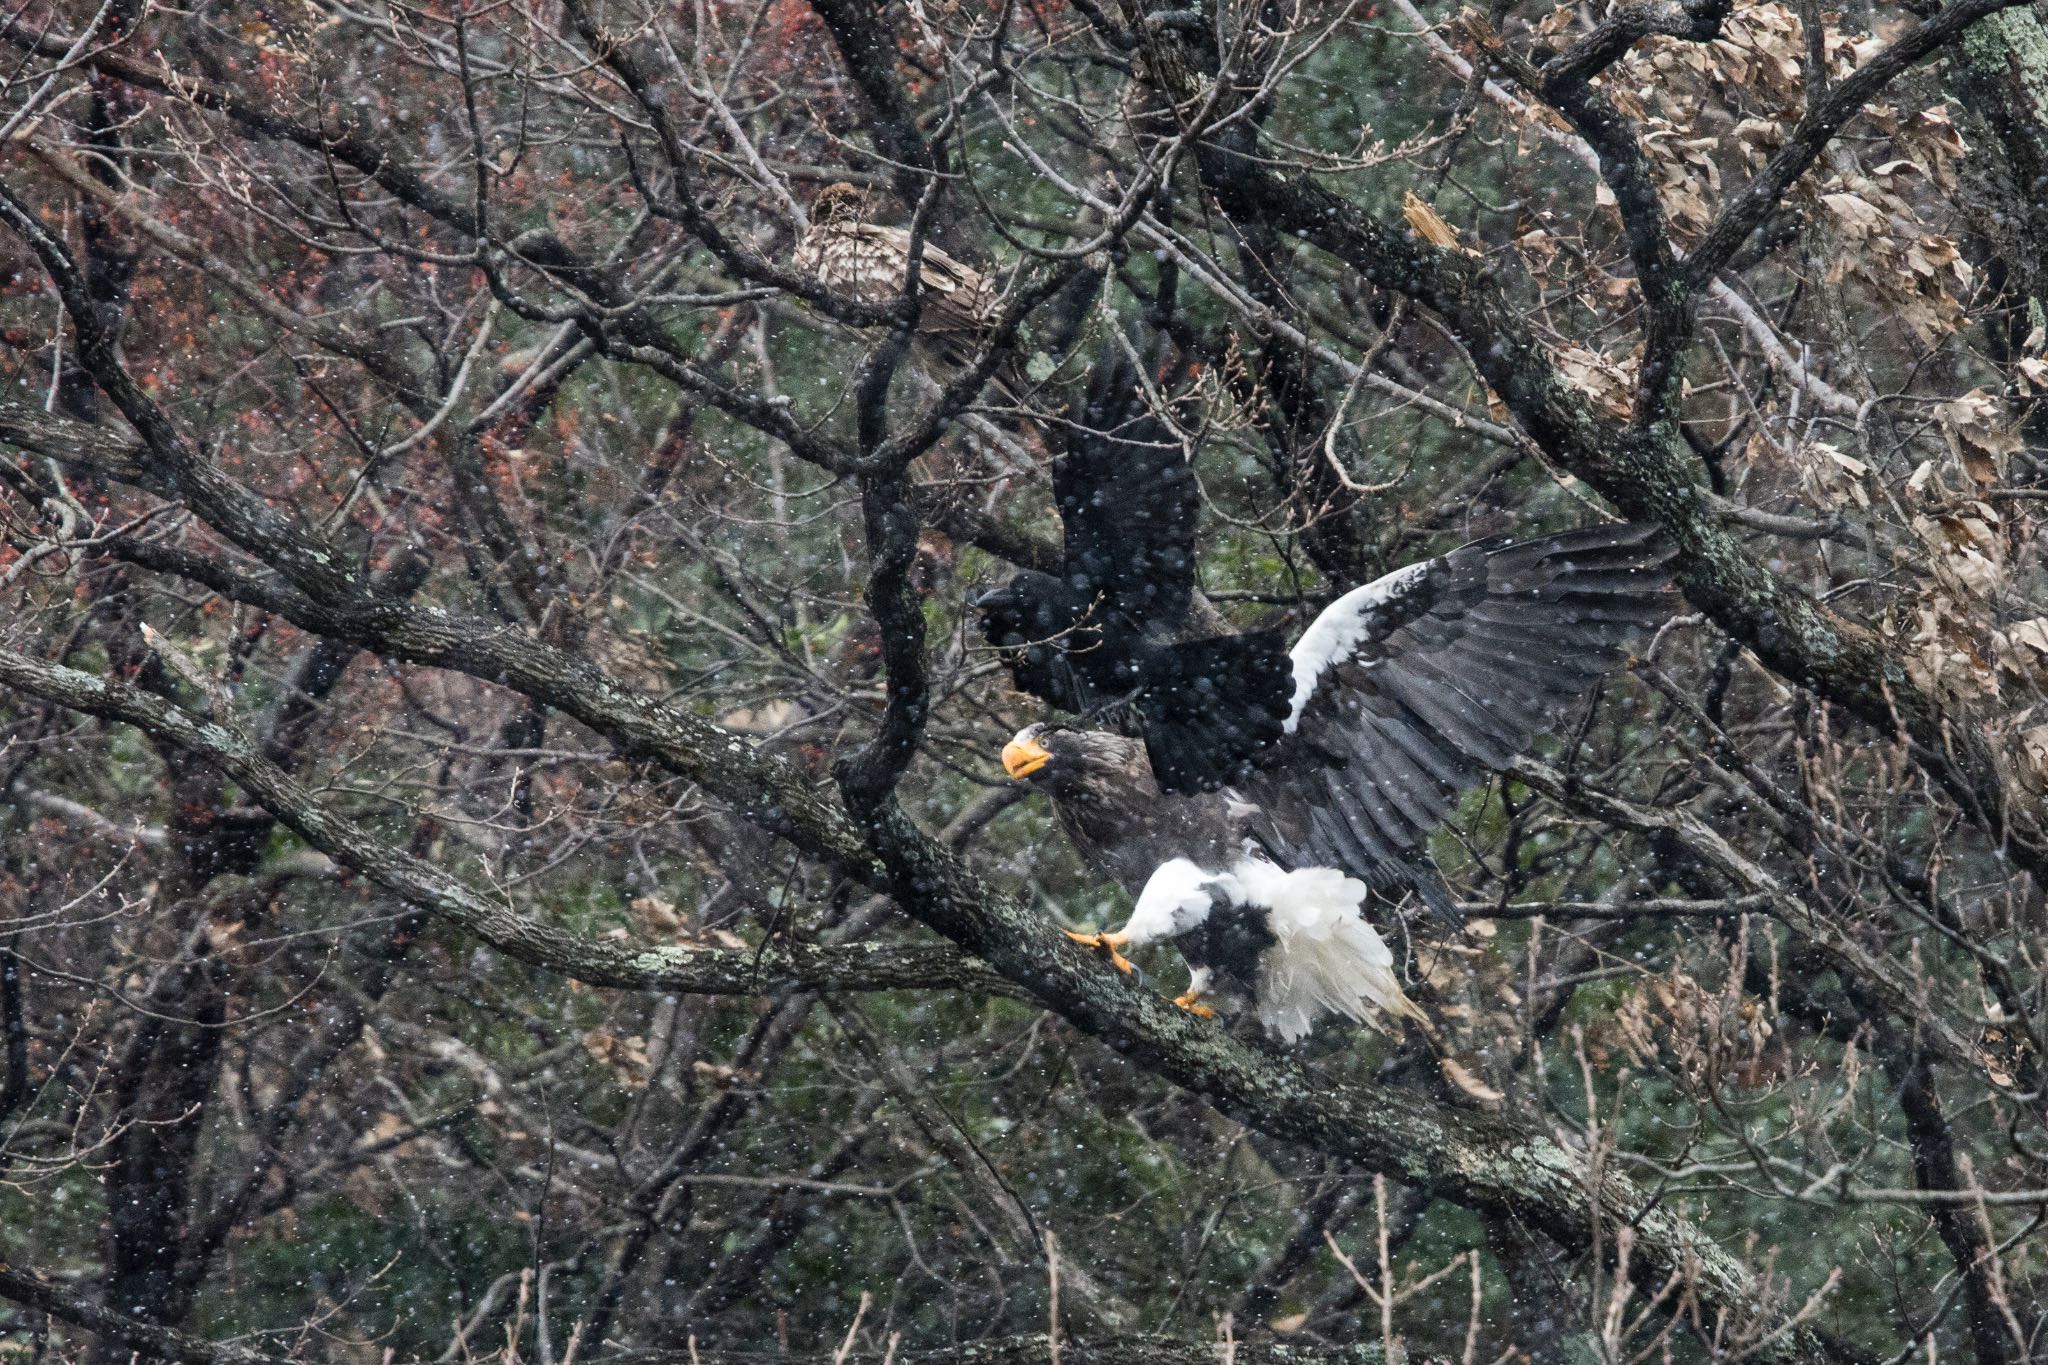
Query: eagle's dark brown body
1111, 807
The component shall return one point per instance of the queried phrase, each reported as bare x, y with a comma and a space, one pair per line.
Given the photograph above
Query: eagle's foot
1107, 943
1191, 1001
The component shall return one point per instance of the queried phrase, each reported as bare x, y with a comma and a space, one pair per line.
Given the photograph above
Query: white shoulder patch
1175, 900
1340, 628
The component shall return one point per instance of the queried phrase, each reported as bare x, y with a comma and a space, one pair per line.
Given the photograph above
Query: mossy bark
2001, 76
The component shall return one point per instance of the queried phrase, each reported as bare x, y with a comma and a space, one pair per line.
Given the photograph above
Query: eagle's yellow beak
1023, 757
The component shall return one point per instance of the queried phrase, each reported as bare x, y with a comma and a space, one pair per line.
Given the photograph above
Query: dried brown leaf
1980, 435
2022, 649
626, 1057
1456, 1073
656, 918
1832, 478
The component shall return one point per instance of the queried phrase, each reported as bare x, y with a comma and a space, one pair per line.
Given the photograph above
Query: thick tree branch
34, 1291
683, 968
175, 467
866, 41
1698, 21
867, 777
1993, 1336
1470, 1158
768, 791
639, 336
1667, 297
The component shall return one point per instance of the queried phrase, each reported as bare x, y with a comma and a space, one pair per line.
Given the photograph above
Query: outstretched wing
1128, 500
1416, 686
1129, 507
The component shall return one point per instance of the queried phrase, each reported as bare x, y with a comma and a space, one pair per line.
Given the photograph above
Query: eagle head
1067, 761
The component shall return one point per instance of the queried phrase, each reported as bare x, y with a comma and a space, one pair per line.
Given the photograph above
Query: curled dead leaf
1609, 383
1968, 551
1456, 1073
1855, 217
2022, 649
1944, 657
1980, 435
1831, 478
2001, 1052
2033, 754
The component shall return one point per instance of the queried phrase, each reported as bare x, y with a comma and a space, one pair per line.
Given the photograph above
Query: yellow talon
1108, 943
1192, 1003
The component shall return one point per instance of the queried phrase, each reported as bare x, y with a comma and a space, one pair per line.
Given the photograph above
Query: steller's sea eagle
1400, 695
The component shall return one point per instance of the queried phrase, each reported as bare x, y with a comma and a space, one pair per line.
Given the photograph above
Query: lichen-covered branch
688, 968
1467, 1157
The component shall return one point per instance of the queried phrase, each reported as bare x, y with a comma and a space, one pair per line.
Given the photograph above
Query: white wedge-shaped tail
1327, 956
1324, 955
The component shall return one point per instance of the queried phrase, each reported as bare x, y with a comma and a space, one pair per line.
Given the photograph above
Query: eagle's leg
1108, 943
1191, 998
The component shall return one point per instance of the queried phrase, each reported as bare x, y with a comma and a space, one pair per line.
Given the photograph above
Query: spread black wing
1415, 687
1109, 628
1129, 502
1129, 508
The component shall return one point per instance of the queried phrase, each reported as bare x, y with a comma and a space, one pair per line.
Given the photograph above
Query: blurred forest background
444, 541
